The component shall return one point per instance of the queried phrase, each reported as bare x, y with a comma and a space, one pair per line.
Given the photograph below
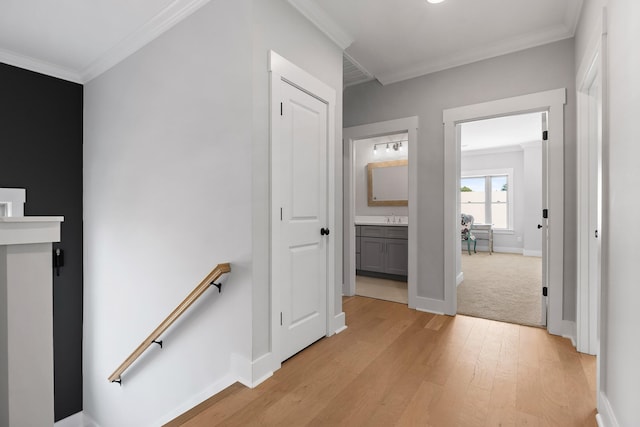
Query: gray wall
167, 155
533, 70
277, 26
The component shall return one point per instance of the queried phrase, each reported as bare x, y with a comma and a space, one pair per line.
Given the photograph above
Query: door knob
324, 231
539, 226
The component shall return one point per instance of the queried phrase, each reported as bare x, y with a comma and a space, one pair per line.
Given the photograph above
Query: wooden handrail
215, 274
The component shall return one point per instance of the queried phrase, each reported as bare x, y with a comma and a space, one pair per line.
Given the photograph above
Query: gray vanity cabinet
382, 249
372, 254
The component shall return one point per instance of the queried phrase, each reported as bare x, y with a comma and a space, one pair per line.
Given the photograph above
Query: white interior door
300, 192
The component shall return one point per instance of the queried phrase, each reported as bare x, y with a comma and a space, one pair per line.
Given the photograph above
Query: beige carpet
504, 287
389, 290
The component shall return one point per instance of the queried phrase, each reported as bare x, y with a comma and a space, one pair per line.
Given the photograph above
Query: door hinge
280, 318
545, 213
544, 291
281, 108
545, 135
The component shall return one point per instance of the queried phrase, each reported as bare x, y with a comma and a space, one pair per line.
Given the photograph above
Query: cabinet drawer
373, 231
357, 245
397, 232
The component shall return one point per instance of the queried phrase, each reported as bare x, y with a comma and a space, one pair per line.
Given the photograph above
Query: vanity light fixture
396, 145
435, 1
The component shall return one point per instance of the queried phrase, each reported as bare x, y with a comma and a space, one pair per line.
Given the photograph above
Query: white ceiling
501, 132
390, 40
396, 40
78, 39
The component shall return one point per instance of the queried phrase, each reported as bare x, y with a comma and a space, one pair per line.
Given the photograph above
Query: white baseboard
459, 278
569, 331
339, 323
527, 252
263, 368
242, 369
78, 419
196, 399
605, 417
498, 249
429, 305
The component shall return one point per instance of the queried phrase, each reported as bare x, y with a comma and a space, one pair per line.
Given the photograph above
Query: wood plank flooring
399, 367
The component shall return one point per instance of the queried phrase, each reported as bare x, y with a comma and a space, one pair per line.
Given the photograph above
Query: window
487, 195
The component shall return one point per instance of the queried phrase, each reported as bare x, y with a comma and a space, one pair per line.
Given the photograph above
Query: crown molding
39, 66
572, 15
553, 34
324, 22
163, 21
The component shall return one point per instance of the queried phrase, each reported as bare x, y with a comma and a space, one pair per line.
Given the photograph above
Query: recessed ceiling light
435, 1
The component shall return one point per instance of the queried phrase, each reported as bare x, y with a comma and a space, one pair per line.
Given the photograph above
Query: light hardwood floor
396, 366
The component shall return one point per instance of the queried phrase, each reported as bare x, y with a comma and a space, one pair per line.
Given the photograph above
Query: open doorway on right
501, 199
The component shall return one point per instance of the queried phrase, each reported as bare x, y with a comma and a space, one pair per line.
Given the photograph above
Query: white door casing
302, 203
553, 102
591, 173
351, 135
544, 231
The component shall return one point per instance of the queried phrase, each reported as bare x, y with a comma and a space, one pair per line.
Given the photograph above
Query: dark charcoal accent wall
41, 150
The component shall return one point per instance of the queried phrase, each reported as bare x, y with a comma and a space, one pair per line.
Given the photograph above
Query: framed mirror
388, 183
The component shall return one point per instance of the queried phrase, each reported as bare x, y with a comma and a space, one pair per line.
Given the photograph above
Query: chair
483, 232
466, 222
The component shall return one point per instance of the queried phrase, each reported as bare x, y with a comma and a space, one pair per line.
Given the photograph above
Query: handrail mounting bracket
217, 285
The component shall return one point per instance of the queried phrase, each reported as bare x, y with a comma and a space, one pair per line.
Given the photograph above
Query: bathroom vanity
382, 247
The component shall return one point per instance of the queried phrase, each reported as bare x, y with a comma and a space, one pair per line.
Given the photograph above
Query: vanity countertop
390, 220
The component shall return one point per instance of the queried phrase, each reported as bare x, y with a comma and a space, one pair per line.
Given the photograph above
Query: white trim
572, 15
283, 70
496, 150
196, 399
430, 305
262, 369
552, 101
339, 323
606, 417
168, 17
76, 420
175, 12
503, 47
588, 298
13, 199
350, 135
483, 247
527, 252
324, 22
39, 66
569, 331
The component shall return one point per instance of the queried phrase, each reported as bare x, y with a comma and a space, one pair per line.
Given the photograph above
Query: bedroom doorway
501, 200
552, 224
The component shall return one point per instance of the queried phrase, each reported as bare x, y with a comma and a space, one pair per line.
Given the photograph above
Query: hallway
395, 366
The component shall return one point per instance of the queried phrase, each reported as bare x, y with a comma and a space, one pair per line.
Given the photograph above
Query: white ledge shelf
23, 230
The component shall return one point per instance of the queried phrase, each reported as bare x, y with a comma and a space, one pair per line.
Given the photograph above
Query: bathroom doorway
380, 231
